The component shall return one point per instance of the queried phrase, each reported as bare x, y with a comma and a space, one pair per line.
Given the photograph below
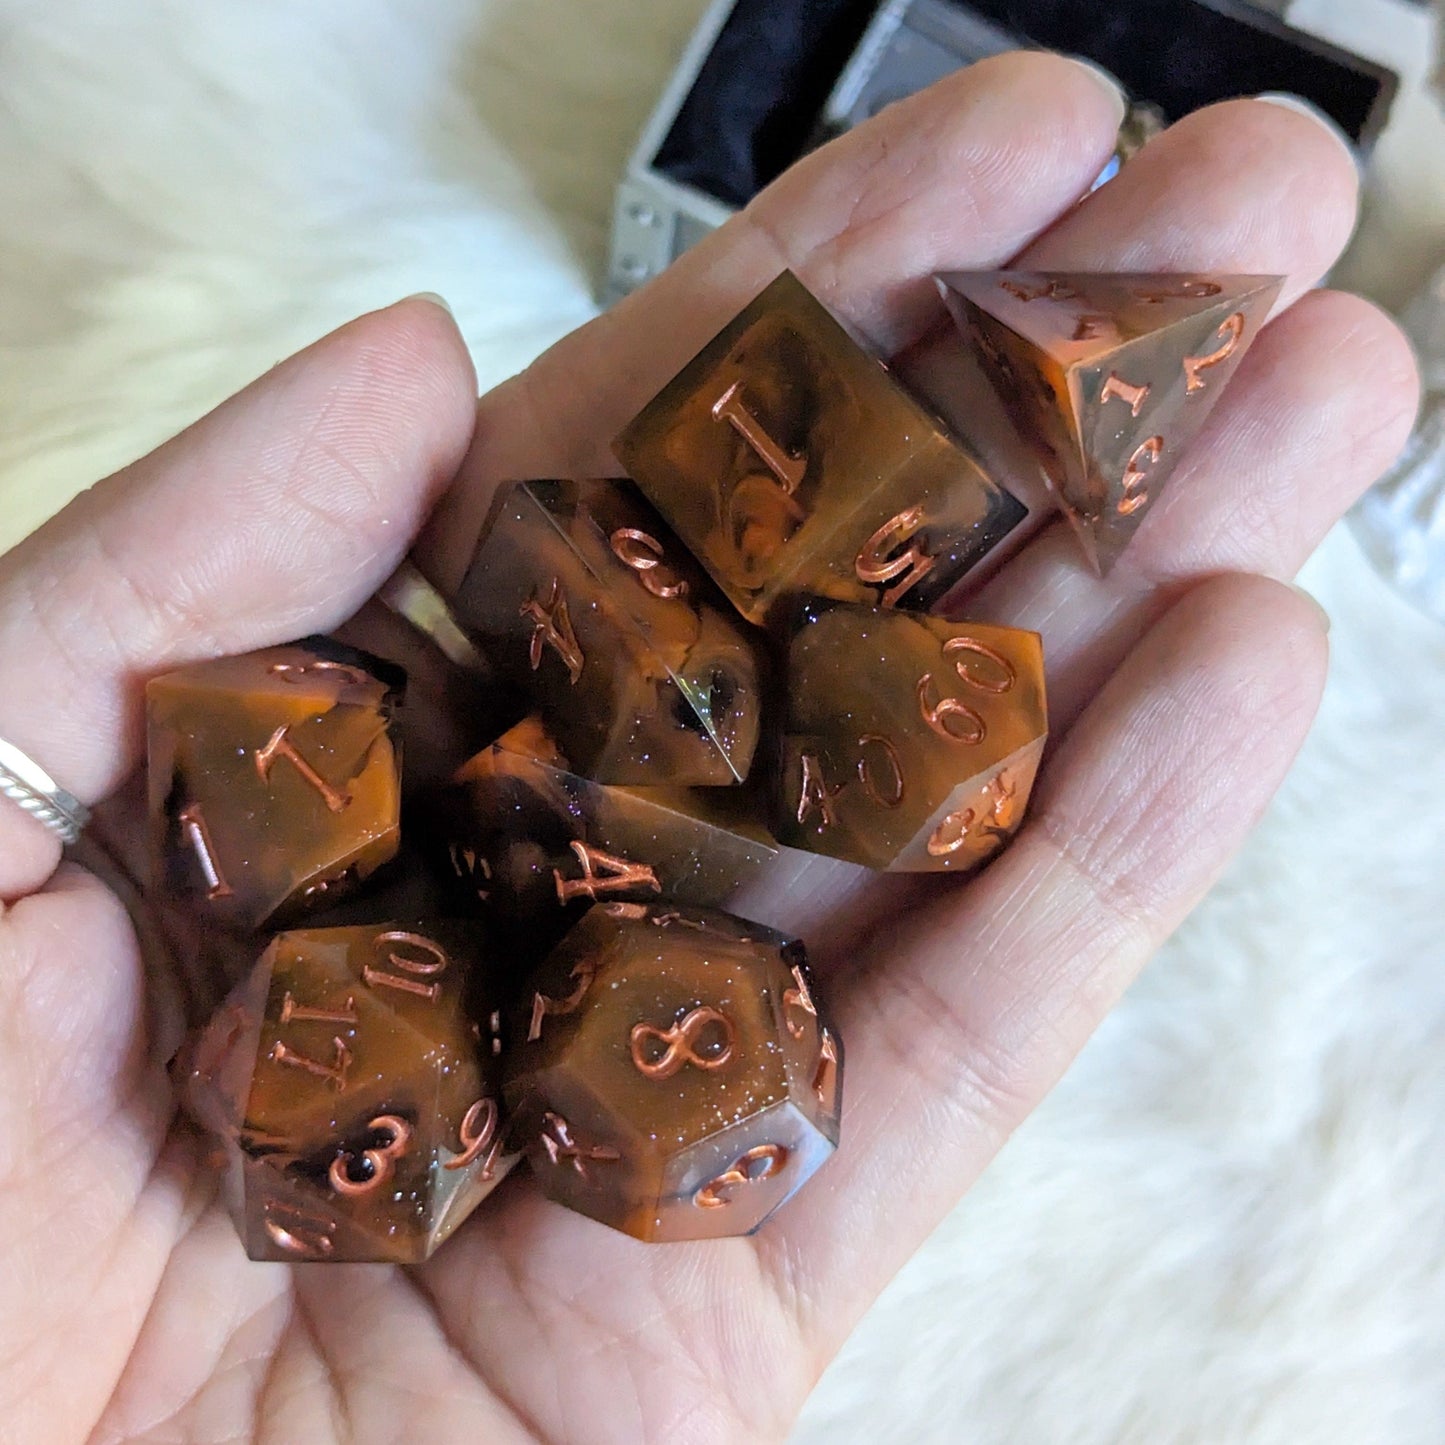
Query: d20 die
792, 462
351, 1080
274, 779
529, 843
1112, 376
595, 613
671, 1074
910, 743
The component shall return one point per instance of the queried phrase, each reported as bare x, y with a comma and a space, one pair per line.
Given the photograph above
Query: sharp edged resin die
1110, 376
596, 614
351, 1082
672, 1073
275, 779
910, 743
791, 462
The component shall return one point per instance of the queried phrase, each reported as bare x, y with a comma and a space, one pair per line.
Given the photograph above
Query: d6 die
1111, 375
593, 611
275, 779
910, 743
671, 1074
791, 462
351, 1082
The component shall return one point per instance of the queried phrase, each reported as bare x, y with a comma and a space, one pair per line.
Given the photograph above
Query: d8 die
594, 612
275, 779
527, 842
1112, 375
351, 1082
671, 1074
791, 462
910, 743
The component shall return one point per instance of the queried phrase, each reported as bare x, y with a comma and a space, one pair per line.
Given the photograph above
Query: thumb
276, 515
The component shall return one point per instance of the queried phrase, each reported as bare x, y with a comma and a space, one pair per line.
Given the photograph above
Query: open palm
1180, 689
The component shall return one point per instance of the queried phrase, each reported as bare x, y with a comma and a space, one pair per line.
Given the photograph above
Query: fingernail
1301, 106
1314, 602
1102, 78
434, 299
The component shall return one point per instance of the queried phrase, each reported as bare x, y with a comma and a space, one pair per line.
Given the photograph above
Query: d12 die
1112, 375
910, 743
671, 1074
532, 845
595, 613
791, 462
275, 779
351, 1081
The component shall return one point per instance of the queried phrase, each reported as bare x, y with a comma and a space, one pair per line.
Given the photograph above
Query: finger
275, 516
962, 174
967, 1011
1248, 187
1318, 409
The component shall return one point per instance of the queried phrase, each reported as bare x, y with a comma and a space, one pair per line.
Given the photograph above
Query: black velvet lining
754, 106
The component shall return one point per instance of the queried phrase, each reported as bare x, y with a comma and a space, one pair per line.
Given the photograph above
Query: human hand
1180, 688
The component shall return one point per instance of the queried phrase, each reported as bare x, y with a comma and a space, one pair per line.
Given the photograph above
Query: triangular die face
1077, 316
1032, 387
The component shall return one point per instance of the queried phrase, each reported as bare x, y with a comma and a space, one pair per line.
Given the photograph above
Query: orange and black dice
275, 779
910, 743
1111, 376
521, 838
595, 613
671, 1073
351, 1080
791, 462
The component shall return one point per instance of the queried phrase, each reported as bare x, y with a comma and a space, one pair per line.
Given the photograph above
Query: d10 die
527, 842
791, 462
275, 779
910, 743
1112, 375
598, 617
670, 1072
351, 1081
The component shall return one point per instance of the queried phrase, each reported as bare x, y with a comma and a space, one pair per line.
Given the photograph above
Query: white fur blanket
1228, 1224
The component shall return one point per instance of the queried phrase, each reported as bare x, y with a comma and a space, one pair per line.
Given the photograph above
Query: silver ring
25, 782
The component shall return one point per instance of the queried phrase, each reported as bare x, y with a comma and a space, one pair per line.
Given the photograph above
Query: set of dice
741, 654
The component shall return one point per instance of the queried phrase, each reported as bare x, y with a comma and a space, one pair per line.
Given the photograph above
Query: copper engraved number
542, 1005
787, 469
334, 1073
1091, 328
603, 873
281, 746
293, 1012
557, 1140
193, 823
1132, 396
1135, 481
294, 671
875, 567
1048, 291
478, 1132
1182, 290
681, 1041
952, 833
757, 1164
552, 627
798, 997
298, 1231
894, 796
970, 727
379, 1163
413, 970
814, 793
965, 654
825, 1079
643, 554
1232, 329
